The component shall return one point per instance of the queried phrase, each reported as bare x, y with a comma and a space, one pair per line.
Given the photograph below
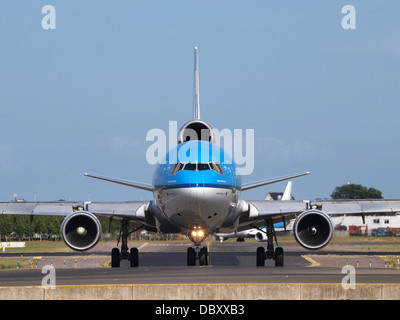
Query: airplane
260, 234
198, 194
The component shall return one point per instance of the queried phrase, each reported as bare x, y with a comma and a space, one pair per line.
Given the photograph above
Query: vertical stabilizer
287, 195
196, 98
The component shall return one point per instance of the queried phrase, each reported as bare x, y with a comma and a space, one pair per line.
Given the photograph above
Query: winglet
196, 98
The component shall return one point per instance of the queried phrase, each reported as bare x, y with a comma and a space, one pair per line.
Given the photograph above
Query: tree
355, 191
6, 226
21, 226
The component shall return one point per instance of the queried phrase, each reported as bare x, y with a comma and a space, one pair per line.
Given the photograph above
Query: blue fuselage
197, 185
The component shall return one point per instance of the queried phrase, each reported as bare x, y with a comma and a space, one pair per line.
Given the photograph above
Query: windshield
215, 166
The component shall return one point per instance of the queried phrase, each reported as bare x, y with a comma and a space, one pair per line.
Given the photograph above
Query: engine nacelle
196, 130
313, 229
81, 230
261, 236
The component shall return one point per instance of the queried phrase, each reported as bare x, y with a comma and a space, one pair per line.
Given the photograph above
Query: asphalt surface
229, 262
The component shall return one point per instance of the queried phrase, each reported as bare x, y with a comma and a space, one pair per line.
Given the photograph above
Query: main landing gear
124, 254
197, 235
270, 253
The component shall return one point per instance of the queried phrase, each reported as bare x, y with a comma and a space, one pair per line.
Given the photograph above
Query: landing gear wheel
260, 257
115, 258
191, 257
278, 257
270, 253
203, 256
134, 257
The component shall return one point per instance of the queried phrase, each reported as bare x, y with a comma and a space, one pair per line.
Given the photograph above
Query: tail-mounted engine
81, 230
196, 130
313, 229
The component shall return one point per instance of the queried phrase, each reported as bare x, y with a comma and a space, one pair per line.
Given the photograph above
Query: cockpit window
190, 167
176, 168
217, 168
203, 166
196, 167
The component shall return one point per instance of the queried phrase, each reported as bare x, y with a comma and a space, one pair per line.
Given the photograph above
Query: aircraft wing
134, 211
255, 212
362, 207
251, 185
60, 208
332, 207
139, 185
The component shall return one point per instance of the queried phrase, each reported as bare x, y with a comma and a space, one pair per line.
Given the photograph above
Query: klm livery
197, 191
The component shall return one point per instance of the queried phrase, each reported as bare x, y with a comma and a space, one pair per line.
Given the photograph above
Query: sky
82, 97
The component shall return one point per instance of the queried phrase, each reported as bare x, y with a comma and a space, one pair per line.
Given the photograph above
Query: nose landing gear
197, 235
194, 253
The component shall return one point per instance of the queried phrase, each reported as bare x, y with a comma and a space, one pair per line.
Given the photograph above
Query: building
374, 225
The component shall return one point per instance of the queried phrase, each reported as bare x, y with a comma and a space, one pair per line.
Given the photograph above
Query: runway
229, 262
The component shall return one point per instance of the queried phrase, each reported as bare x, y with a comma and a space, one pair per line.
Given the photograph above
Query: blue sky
82, 97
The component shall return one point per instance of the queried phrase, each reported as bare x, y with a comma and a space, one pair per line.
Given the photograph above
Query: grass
394, 261
38, 247
288, 237
369, 239
371, 243
383, 247
30, 247
15, 263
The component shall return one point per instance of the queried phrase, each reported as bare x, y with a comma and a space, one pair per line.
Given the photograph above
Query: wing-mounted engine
313, 229
81, 230
261, 236
196, 130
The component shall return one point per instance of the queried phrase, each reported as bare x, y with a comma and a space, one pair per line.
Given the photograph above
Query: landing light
197, 235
